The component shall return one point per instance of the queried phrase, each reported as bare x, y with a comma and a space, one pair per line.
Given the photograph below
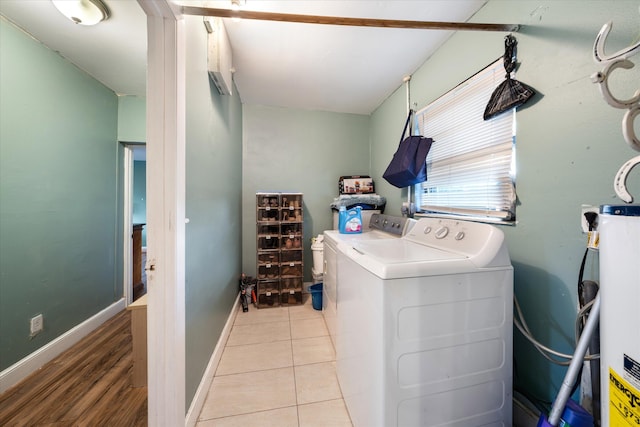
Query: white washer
379, 227
424, 327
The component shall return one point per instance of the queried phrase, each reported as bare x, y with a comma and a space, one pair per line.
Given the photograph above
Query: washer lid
400, 251
334, 237
399, 258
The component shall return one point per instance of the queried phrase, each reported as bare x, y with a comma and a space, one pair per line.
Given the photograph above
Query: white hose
522, 326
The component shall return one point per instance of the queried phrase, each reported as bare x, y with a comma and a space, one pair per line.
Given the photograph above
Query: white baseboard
34, 361
201, 393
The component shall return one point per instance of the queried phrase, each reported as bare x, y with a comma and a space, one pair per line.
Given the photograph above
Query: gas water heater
619, 228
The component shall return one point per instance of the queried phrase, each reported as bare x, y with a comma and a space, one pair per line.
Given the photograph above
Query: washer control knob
385, 222
442, 232
459, 235
427, 230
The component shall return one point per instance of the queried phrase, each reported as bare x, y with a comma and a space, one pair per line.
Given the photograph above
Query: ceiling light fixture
237, 4
83, 12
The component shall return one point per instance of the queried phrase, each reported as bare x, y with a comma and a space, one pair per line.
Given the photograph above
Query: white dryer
424, 327
380, 226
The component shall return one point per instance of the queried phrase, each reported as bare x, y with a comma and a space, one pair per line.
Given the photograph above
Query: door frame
166, 197
127, 221
128, 179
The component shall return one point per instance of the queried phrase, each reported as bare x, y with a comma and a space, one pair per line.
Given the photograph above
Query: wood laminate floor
88, 385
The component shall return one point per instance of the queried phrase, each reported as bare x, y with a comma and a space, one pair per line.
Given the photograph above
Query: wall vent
219, 55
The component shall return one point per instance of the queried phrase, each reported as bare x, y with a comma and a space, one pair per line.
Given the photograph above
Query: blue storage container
316, 296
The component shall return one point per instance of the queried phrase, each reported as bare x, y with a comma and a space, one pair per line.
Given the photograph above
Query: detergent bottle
352, 222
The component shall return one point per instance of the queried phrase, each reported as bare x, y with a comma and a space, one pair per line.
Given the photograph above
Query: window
471, 165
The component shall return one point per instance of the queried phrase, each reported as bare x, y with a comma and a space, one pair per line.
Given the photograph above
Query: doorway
134, 220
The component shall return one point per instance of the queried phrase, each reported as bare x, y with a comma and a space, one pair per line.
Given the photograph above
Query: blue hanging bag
409, 163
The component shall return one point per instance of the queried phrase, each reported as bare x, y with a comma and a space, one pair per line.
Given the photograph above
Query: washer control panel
396, 225
464, 237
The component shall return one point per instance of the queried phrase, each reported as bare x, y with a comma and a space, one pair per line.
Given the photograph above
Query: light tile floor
277, 369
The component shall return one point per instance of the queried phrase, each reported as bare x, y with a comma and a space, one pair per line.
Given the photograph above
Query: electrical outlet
408, 209
37, 324
583, 220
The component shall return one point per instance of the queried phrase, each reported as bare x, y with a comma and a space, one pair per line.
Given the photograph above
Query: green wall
213, 206
569, 147
59, 244
132, 124
132, 118
291, 150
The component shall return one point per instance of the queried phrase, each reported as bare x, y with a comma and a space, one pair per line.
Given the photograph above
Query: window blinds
471, 165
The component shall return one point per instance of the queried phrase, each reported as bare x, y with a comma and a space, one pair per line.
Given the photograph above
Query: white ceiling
114, 52
315, 67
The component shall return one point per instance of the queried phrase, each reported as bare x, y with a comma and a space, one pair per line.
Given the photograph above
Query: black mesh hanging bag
510, 93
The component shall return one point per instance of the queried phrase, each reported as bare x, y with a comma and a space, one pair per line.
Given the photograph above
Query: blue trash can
316, 296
